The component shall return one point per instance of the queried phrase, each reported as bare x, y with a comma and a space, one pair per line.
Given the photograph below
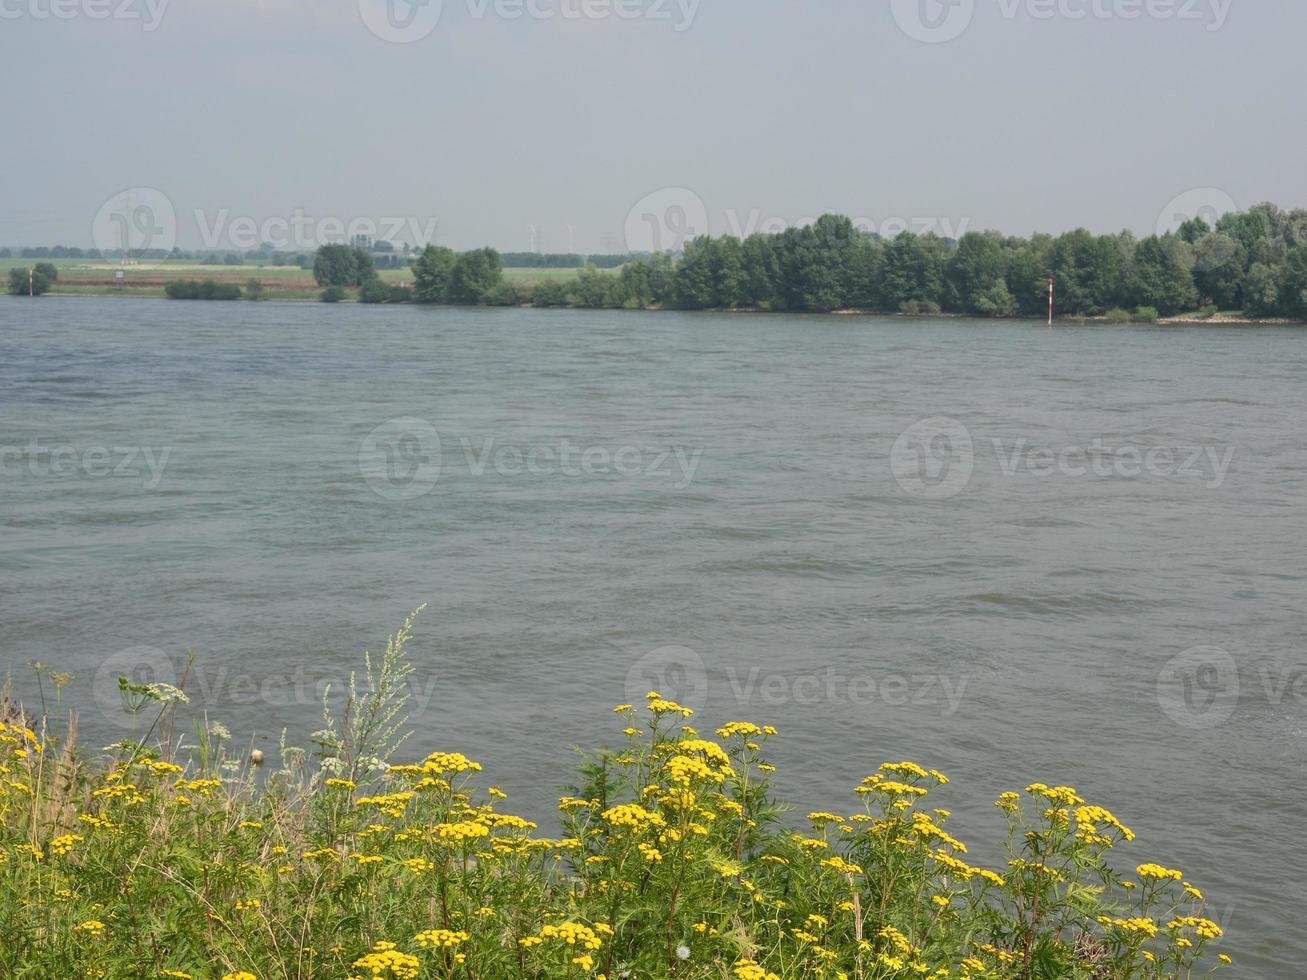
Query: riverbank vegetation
1253, 262
175, 857
1250, 265
36, 281
207, 289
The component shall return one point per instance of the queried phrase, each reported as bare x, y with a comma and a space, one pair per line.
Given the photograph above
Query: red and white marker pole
1050, 301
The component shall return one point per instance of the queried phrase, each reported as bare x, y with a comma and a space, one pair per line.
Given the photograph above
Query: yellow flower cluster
632, 815
576, 935
678, 828
386, 961
1158, 873
1088, 819
749, 970
1062, 795
658, 705
64, 843
1204, 928
1142, 926
440, 939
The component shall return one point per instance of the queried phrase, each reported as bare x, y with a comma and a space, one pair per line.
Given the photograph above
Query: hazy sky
504, 115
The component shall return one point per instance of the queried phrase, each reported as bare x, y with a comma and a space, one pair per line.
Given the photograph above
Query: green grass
89, 278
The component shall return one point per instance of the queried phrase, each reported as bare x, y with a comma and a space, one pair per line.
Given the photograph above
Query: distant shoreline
1180, 320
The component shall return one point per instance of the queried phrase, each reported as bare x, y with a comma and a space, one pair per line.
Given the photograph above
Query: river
1009, 552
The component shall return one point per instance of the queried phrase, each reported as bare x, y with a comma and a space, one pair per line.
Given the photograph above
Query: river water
1008, 552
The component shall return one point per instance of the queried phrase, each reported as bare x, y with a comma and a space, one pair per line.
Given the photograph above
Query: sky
603, 125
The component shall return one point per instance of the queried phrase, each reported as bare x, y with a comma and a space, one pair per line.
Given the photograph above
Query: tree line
1254, 262
564, 260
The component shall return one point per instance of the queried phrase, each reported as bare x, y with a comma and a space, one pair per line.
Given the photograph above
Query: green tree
761, 271
976, 276
1220, 263
1090, 271
1163, 276
994, 300
364, 269
335, 265
695, 282
474, 274
1293, 283
1029, 264
38, 285
431, 274
595, 290
1261, 291
342, 265
549, 292
819, 265
637, 285
728, 272
913, 270
374, 291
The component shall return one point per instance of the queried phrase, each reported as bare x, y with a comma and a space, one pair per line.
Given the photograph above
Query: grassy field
93, 278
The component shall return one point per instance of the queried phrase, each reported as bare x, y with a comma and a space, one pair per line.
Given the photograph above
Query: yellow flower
1142, 926
631, 815
1205, 928
1158, 873
64, 843
839, 864
463, 831
658, 705
743, 728
749, 970
571, 934
440, 939
93, 927
1064, 795
385, 960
